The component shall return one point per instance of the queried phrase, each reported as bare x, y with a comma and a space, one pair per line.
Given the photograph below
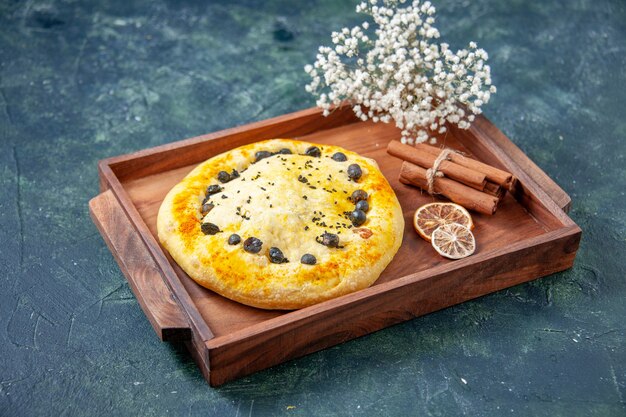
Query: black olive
234, 239
252, 245
223, 176
354, 172
276, 256
358, 217
210, 228
234, 174
313, 151
330, 239
339, 157
358, 195
213, 189
363, 206
262, 155
308, 259
285, 151
206, 207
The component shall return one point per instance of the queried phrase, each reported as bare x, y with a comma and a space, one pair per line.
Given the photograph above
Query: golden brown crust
269, 202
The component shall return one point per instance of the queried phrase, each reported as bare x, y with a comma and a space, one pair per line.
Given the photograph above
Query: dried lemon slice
453, 241
430, 216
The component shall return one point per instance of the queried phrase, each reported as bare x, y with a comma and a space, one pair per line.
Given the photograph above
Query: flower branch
401, 73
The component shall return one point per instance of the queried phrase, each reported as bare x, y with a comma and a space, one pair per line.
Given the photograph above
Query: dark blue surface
81, 81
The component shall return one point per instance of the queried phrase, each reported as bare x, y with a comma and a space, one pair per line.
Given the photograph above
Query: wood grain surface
143, 275
530, 236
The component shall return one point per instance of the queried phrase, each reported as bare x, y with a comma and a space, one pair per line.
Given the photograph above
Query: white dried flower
396, 70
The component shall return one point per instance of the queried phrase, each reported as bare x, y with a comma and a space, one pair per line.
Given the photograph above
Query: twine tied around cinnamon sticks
433, 171
466, 181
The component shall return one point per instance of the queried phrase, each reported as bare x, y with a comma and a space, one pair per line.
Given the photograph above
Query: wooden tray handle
558, 195
155, 298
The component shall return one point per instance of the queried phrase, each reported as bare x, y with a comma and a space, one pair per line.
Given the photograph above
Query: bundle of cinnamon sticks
465, 181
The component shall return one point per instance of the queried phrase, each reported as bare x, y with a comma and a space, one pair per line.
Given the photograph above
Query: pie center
288, 201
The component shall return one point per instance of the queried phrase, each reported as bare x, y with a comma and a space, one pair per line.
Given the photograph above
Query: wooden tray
530, 236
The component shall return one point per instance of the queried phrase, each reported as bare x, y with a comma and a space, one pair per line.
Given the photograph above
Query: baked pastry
282, 224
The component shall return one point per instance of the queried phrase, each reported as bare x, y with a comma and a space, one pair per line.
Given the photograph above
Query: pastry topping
244, 215
210, 228
213, 189
223, 177
308, 259
276, 256
285, 151
252, 245
313, 151
302, 179
206, 207
362, 205
364, 232
358, 217
234, 174
453, 241
261, 155
339, 157
358, 195
328, 239
354, 172
234, 239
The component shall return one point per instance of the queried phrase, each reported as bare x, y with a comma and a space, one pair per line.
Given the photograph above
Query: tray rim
357, 296
201, 331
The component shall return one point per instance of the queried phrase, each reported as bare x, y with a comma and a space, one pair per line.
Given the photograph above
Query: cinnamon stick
494, 189
426, 160
492, 174
468, 197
